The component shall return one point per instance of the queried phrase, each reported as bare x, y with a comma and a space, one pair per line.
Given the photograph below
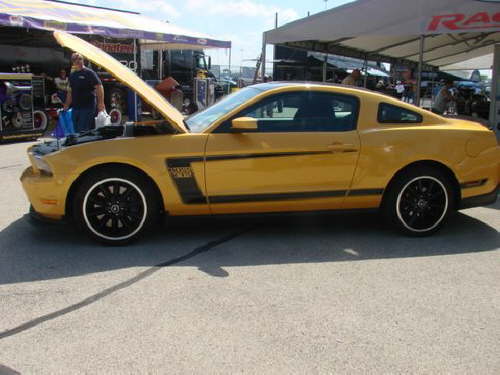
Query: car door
302, 155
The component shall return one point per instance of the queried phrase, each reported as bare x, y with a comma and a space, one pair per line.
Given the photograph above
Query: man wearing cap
85, 88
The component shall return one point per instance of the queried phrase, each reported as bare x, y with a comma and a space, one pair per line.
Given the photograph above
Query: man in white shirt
400, 89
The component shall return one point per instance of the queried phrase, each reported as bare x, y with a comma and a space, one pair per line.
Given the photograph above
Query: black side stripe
275, 197
182, 174
365, 192
264, 155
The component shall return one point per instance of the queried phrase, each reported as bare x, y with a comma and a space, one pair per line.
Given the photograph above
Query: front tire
115, 205
419, 201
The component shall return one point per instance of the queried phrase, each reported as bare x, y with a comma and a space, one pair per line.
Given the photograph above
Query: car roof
277, 84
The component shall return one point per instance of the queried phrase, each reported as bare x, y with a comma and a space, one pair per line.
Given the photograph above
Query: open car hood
125, 76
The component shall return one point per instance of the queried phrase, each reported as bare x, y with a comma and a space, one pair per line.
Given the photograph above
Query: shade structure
391, 30
78, 19
481, 62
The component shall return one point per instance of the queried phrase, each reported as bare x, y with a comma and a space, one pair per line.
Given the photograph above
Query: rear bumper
480, 200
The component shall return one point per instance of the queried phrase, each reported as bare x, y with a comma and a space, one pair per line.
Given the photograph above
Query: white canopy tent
454, 30
427, 34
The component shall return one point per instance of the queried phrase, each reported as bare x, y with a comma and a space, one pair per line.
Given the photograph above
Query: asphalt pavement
315, 294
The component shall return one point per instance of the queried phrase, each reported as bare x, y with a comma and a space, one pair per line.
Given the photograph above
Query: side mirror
209, 62
244, 124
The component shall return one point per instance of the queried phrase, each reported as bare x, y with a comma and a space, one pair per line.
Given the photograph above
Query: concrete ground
300, 294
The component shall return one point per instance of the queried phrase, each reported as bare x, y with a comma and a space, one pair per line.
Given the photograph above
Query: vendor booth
26, 39
423, 35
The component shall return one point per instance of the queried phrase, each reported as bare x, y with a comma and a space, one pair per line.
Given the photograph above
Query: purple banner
76, 28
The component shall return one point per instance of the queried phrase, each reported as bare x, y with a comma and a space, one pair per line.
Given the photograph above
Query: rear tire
116, 205
418, 201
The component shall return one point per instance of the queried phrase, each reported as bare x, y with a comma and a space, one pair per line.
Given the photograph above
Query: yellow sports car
272, 147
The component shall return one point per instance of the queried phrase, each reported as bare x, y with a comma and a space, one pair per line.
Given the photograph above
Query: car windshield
202, 120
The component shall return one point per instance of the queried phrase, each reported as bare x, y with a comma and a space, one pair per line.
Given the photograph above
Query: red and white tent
454, 30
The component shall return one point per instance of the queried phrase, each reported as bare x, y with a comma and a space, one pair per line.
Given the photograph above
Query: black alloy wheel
418, 201
114, 209
115, 206
422, 204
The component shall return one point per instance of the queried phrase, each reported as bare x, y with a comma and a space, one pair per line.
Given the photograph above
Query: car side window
301, 111
388, 113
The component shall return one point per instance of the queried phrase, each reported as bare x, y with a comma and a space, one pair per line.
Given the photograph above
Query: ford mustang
272, 147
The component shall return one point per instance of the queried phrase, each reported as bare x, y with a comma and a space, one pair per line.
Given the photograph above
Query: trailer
20, 114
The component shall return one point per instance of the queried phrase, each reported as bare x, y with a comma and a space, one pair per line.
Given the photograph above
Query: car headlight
42, 165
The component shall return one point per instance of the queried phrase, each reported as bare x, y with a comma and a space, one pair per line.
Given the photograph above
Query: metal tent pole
420, 67
365, 69
137, 47
263, 57
325, 64
136, 104
160, 64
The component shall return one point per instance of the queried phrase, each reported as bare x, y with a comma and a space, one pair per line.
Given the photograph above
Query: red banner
460, 21
114, 47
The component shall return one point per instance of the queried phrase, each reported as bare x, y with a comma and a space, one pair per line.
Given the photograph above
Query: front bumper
46, 194
480, 200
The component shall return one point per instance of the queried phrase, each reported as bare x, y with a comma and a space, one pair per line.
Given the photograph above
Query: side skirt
279, 214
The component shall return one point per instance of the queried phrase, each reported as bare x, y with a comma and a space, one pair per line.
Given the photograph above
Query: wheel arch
88, 171
428, 163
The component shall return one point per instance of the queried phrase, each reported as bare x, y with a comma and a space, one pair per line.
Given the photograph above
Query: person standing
84, 95
443, 99
352, 79
400, 89
62, 85
410, 91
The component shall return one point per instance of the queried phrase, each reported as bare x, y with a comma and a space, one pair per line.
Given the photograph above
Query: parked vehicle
184, 66
267, 148
480, 106
472, 100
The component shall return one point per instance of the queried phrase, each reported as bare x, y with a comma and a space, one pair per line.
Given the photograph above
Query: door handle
342, 147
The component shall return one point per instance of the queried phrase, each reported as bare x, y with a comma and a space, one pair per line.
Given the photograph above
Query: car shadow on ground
32, 251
